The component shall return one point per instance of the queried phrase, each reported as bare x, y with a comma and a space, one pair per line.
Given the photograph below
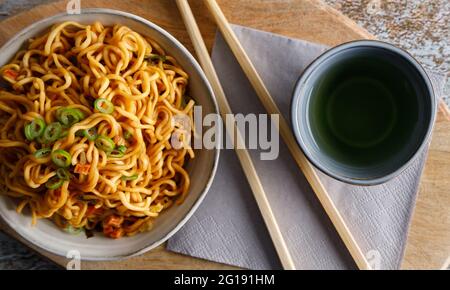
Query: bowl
362, 111
47, 235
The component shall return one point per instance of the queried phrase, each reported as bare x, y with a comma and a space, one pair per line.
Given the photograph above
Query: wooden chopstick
444, 109
287, 135
243, 155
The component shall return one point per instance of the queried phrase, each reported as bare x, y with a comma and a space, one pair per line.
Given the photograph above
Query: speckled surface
421, 27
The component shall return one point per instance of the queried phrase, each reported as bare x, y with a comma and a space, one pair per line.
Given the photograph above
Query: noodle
85, 129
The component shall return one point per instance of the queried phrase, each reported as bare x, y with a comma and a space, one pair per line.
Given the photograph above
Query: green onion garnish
34, 129
41, 153
115, 154
156, 57
69, 116
54, 183
104, 143
90, 134
61, 158
127, 135
122, 148
52, 132
104, 106
129, 178
118, 152
63, 174
72, 230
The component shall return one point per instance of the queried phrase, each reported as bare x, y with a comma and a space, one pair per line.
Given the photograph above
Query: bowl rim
295, 108
179, 46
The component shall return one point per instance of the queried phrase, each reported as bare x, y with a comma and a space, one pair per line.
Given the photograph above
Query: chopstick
444, 109
286, 134
243, 155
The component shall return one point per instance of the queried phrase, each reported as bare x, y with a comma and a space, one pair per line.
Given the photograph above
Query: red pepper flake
116, 234
9, 73
82, 168
93, 211
108, 230
113, 220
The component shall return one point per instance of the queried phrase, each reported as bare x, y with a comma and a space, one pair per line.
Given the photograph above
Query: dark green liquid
364, 111
361, 112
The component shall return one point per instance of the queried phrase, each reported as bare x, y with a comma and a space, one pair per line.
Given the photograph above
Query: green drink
362, 113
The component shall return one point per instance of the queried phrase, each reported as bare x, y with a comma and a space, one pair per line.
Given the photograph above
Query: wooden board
429, 238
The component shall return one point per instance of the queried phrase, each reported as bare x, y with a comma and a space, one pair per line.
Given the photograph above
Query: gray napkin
228, 227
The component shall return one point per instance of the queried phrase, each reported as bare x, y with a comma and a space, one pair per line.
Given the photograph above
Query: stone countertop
421, 27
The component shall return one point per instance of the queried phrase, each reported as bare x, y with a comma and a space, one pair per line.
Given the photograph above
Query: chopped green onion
81, 115
127, 135
115, 154
69, 116
156, 57
79, 133
63, 174
118, 152
34, 129
129, 178
72, 230
104, 106
122, 148
104, 143
61, 158
90, 134
41, 153
54, 183
52, 132
28, 133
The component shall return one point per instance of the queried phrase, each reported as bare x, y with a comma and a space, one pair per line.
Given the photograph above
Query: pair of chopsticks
243, 155
285, 132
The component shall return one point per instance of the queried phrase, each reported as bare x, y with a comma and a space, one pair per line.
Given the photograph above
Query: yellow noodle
68, 68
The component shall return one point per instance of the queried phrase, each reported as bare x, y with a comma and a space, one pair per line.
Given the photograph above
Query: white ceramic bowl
45, 234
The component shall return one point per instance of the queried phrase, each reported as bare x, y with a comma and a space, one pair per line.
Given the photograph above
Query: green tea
363, 110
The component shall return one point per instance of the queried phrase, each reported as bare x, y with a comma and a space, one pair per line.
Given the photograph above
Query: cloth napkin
228, 227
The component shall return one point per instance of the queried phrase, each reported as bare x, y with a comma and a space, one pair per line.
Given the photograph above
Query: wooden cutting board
429, 237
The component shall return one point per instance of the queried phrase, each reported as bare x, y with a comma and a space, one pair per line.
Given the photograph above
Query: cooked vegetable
156, 57
54, 183
35, 129
122, 148
118, 152
69, 116
105, 143
63, 174
82, 168
90, 134
72, 230
61, 158
12, 74
104, 106
41, 153
127, 135
52, 133
129, 178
